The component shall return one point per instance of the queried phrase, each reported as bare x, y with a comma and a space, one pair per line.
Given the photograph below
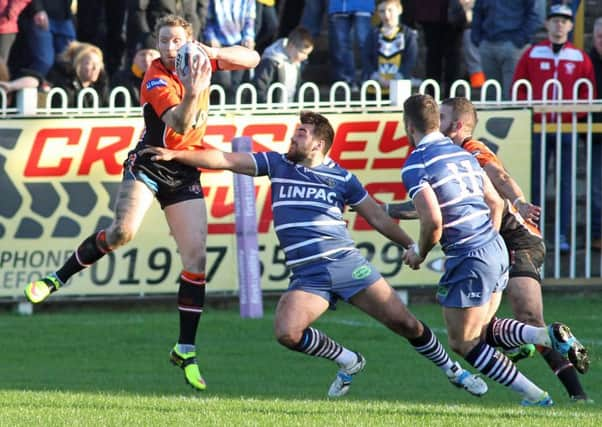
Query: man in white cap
555, 58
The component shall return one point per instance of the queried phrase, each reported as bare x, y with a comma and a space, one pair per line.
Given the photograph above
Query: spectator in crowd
554, 58
501, 29
80, 66
9, 13
346, 17
46, 28
100, 22
281, 62
10, 85
393, 47
142, 16
266, 23
595, 55
443, 39
472, 57
230, 23
131, 77
313, 16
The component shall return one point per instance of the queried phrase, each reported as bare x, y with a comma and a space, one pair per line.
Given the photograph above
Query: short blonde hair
75, 51
173, 21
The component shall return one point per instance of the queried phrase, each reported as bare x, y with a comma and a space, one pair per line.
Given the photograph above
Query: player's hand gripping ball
185, 53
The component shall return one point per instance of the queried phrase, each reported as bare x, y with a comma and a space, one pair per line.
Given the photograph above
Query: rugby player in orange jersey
175, 111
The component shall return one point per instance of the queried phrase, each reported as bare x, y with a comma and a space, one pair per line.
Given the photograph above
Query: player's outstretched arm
494, 201
403, 210
378, 219
233, 57
509, 189
242, 163
431, 226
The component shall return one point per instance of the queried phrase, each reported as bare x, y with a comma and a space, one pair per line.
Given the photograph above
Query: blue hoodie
504, 20
347, 6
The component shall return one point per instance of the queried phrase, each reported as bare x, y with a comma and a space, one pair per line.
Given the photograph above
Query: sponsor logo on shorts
474, 295
361, 272
442, 291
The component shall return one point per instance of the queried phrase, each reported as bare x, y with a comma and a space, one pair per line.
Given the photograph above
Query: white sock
347, 358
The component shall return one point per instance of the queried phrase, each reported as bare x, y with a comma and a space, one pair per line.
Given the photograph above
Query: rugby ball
187, 51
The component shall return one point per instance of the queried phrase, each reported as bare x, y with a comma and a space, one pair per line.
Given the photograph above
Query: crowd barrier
60, 167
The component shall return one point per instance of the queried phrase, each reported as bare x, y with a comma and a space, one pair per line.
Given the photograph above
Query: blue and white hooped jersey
308, 205
457, 180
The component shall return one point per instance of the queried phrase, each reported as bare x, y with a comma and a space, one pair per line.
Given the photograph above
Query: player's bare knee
460, 347
287, 338
119, 235
407, 327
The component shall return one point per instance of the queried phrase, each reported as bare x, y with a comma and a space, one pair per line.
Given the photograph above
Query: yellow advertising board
59, 178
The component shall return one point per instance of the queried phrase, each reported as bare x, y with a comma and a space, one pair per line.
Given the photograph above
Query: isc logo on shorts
361, 272
474, 295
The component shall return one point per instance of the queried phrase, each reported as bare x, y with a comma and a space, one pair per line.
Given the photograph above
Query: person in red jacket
9, 15
555, 58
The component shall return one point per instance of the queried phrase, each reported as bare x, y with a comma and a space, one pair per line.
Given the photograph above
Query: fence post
247, 248
27, 100
399, 91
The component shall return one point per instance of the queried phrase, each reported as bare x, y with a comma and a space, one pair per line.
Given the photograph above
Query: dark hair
173, 21
301, 38
322, 127
423, 112
462, 106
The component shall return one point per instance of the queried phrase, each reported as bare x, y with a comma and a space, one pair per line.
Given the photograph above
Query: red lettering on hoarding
108, 154
58, 138
389, 143
342, 143
228, 132
397, 189
222, 208
276, 131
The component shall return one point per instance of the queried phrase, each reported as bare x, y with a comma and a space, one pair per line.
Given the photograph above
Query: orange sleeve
481, 152
160, 90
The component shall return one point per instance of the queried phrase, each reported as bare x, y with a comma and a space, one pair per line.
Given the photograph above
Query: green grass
95, 367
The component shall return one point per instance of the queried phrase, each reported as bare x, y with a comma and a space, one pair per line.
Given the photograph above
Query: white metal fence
581, 262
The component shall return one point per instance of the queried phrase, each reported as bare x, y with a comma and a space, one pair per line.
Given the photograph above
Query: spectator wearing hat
131, 77
555, 58
501, 29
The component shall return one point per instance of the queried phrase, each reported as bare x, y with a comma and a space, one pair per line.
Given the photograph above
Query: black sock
86, 254
564, 370
191, 299
429, 346
316, 343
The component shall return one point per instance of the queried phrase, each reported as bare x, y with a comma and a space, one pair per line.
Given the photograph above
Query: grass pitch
95, 367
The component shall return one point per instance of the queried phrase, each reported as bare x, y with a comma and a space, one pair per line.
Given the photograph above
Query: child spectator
281, 62
80, 66
131, 77
393, 47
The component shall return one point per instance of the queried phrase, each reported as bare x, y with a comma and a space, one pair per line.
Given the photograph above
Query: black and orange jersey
517, 233
161, 90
